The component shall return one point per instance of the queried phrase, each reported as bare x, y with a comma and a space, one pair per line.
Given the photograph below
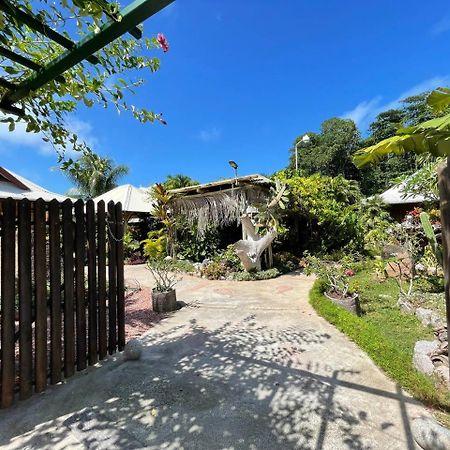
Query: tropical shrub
130, 244
215, 270
156, 244
191, 246
324, 213
254, 276
335, 277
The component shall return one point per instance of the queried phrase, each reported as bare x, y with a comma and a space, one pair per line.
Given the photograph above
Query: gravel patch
139, 317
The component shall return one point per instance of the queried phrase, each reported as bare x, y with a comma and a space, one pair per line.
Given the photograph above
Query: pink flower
162, 41
349, 272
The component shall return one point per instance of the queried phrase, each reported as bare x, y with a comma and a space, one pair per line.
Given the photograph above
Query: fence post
92, 284
80, 241
120, 278
55, 291
69, 326
112, 272
25, 299
40, 282
101, 268
8, 277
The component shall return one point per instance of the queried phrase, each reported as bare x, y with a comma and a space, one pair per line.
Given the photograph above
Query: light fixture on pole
305, 140
234, 165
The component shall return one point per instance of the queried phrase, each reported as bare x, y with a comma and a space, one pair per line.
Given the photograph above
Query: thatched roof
219, 203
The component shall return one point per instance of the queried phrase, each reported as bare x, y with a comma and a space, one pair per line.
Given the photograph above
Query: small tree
92, 174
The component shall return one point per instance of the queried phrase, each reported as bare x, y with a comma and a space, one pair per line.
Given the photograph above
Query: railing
56, 316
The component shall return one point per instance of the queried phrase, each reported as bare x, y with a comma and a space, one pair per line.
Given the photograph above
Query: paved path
243, 366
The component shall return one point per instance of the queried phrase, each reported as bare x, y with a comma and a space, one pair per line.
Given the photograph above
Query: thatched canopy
220, 203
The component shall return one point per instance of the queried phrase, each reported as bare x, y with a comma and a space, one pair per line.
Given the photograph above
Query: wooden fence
62, 291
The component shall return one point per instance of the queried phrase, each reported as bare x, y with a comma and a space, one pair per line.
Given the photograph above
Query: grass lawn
385, 333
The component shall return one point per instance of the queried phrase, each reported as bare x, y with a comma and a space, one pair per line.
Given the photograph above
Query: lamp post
304, 140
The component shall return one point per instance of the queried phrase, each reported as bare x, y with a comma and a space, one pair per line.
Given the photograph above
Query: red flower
349, 272
162, 41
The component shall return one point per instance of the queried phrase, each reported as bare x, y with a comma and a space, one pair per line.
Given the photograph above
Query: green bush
195, 248
253, 276
182, 265
230, 259
215, 270
286, 262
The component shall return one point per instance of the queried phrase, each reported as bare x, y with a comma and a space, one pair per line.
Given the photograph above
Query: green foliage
155, 245
256, 276
92, 174
431, 236
386, 334
122, 66
164, 273
330, 151
230, 258
161, 211
182, 265
286, 262
130, 245
329, 209
178, 181
196, 249
215, 270
332, 274
427, 133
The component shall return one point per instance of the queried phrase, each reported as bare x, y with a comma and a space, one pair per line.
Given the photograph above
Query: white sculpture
250, 249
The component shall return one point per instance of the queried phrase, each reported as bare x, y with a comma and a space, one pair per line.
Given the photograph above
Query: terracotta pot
351, 304
164, 301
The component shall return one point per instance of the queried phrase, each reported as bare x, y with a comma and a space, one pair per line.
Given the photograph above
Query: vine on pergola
36, 36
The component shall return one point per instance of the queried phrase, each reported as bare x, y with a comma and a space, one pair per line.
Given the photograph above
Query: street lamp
306, 140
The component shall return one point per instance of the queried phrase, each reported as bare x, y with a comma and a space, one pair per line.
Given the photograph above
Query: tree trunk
444, 194
250, 249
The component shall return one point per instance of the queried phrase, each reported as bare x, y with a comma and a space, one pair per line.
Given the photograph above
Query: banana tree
430, 137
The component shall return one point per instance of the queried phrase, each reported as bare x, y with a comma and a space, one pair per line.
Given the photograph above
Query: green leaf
12, 125
439, 99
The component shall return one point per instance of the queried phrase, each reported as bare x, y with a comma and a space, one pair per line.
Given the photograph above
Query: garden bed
387, 334
139, 317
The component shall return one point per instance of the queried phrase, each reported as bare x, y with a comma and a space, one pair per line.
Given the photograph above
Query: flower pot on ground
164, 301
350, 302
164, 297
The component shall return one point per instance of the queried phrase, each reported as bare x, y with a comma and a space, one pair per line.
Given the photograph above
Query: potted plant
164, 297
335, 277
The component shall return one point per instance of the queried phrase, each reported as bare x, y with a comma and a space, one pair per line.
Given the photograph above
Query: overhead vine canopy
217, 204
56, 54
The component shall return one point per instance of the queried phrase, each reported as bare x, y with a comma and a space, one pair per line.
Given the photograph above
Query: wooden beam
131, 16
28, 19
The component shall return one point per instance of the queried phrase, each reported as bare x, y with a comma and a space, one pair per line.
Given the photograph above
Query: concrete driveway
243, 366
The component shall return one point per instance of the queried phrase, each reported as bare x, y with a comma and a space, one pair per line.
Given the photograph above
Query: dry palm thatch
218, 208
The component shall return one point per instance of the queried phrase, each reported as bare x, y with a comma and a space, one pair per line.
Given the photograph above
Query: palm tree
92, 175
178, 181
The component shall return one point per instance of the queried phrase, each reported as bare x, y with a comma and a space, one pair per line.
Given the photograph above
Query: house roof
133, 199
396, 196
228, 183
18, 187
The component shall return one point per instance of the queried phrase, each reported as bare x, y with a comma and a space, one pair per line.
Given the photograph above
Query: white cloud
366, 111
362, 110
210, 135
441, 27
20, 138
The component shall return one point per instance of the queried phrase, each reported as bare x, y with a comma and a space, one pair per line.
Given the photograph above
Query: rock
421, 359
405, 306
133, 350
428, 317
430, 435
443, 374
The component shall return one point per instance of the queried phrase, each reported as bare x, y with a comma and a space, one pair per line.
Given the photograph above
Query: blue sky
242, 79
